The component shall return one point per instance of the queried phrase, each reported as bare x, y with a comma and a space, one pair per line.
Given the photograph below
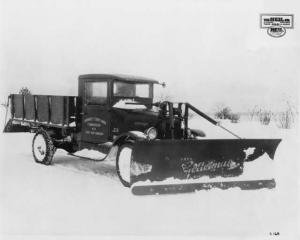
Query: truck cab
114, 104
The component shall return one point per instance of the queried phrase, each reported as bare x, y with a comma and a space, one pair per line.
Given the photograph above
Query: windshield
125, 89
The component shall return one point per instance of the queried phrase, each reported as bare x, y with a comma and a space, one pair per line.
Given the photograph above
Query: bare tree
287, 118
225, 112
265, 116
254, 112
24, 91
164, 97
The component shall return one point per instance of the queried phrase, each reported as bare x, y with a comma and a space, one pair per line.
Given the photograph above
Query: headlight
151, 133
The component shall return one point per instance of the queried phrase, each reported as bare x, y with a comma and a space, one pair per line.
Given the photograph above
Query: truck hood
128, 104
134, 119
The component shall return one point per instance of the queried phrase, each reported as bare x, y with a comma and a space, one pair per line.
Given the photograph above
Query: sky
209, 52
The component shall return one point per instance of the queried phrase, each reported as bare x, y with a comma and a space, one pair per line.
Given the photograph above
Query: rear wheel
42, 148
123, 163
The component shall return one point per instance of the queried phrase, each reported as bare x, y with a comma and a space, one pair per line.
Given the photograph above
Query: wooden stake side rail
50, 110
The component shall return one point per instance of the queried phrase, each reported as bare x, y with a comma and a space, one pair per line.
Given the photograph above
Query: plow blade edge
192, 187
191, 159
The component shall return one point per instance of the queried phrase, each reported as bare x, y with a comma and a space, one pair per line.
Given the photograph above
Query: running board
87, 158
110, 155
192, 187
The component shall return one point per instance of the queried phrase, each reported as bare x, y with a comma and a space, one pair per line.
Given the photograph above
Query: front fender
132, 135
198, 132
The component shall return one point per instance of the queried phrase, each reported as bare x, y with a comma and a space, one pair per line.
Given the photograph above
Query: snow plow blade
193, 187
155, 161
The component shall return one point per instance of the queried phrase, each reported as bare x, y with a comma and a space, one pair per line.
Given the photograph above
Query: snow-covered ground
75, 196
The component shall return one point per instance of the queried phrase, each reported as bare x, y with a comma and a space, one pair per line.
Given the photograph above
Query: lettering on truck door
95, 112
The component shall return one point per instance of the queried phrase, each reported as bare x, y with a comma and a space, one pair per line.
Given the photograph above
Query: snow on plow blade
155, 161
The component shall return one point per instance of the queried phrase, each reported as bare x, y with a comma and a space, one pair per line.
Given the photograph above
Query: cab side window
96, 92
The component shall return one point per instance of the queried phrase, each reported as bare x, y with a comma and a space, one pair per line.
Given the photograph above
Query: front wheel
42, 148
123, 163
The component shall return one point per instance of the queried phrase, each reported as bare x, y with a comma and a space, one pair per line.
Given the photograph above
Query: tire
42, 148
123, 163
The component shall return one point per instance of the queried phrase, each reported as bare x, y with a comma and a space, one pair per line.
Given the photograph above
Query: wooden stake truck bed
54, 111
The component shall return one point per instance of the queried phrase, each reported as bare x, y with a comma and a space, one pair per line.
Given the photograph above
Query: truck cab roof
108, 89
120, 77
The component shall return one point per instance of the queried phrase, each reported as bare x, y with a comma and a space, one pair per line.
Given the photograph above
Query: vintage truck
152, 141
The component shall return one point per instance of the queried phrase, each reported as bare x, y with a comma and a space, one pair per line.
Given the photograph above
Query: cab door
95, 119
